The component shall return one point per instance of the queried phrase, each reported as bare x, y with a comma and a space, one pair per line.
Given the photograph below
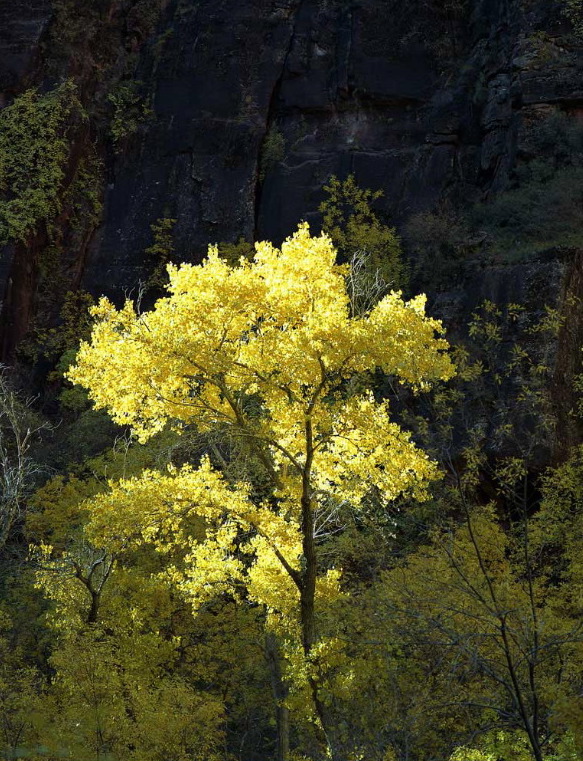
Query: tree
21, 687
269, 352
117, 689
19, 428
487, 607
362, 238
573, 11
133, 673
35, 135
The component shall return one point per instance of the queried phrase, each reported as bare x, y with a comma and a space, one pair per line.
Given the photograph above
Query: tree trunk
282, 733
307, 613
280, 691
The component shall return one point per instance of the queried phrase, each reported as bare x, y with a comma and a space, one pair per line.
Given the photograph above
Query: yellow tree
133, 673
270, 352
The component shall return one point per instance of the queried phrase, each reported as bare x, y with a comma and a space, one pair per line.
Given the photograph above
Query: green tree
133, 674
484, 607
161, 249
358, 234
573, 10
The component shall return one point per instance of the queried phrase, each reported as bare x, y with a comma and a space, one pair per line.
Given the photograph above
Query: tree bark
280, 691
307, 612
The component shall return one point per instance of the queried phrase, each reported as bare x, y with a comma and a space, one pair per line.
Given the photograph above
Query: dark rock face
333, 82
256, 103
212, 85
324, 77
339, 87
22, 24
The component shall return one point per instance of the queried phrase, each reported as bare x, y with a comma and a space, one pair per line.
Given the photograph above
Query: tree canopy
269, 352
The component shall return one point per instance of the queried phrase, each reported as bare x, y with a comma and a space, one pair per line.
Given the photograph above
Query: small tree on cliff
265, 351
361, 237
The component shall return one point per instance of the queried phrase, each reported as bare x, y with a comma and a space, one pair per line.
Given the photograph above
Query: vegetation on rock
349, 219
34, 150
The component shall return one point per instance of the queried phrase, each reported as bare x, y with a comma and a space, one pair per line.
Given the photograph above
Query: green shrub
144, 16
558, 139
72, 27
53, 343
544, 211
34, 150
272, 152
233, 252
544, 206
438, 243
84, 196
130, 110
573, 10
349, 219
161, 249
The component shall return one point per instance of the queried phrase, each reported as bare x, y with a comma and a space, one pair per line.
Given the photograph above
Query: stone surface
212, 83
22, 23
345, 87
338, 86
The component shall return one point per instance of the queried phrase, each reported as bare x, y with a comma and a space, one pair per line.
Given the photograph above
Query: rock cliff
232, 115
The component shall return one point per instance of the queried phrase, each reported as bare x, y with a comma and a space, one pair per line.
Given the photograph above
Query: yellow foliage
265, 350
279, 327
21, 688
113, 693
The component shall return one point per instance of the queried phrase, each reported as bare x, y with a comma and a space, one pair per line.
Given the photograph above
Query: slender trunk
93, 614
534, 655
522, 708
523, 711
307, 613
308, 590
282, 733
280, 691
